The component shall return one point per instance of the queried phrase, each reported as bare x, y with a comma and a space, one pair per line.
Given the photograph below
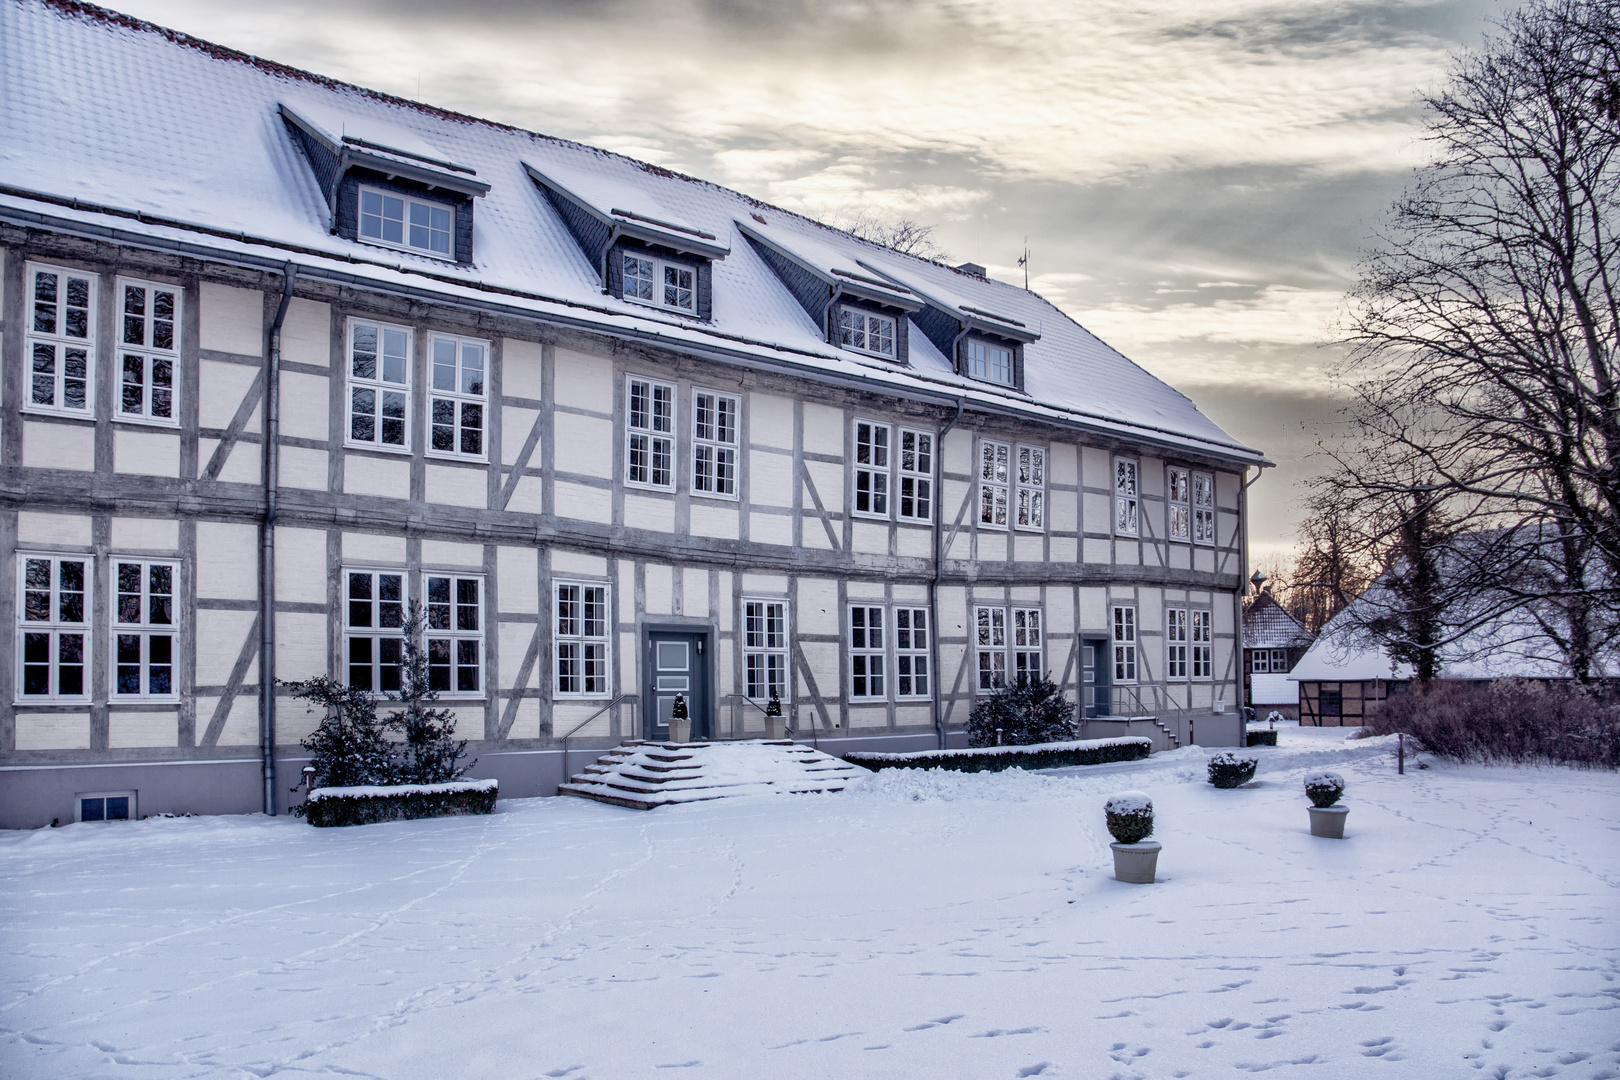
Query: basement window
106, 806
399, 221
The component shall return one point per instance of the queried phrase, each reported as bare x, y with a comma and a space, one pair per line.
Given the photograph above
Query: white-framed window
866, 332
1031, 488
61, 341
1127, 498
872, 467
105, 805
1124, 632
148, 352
990, 641
144, 634
455, 634
714, 443
379, 385
995, 474
651, 280
407, 223
911, 652
867, 652
581, 636
992, 363
1027, 644
1203, 645
53, 627
765, 643
1203, 508
373, 615
649, 423
1175, 643
457, 397
916, 475
1268, 661
1179, 525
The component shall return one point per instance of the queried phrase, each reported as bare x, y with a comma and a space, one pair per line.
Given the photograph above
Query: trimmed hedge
332, 807
997, 758
1229, 770
1262, 738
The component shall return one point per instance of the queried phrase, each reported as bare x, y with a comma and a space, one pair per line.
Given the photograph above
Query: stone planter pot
1136, 863
680, 730
776, 727
1328, 821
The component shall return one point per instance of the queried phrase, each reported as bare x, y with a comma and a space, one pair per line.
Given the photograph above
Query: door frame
702, 672
1102, 684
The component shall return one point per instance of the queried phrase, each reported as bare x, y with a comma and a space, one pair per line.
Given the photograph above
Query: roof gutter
267, 548
939, 573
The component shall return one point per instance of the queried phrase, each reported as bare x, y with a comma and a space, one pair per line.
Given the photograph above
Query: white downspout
267, 549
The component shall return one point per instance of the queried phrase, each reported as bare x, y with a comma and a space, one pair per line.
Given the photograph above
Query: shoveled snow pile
916, 925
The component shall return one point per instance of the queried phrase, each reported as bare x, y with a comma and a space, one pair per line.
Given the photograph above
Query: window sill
464, 459
57, 702
1031, 530
141, 421
633, 486
867, 515
373, 448
58, 414
713, 497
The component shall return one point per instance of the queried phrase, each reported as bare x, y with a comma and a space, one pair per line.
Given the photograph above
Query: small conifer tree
431, 753
350, 747
1025, 712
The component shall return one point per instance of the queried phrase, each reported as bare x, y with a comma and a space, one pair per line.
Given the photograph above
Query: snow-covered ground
928, 925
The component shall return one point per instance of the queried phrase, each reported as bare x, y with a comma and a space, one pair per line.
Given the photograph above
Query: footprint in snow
556, 1074
1035, 1070
941, 1022
682, 1065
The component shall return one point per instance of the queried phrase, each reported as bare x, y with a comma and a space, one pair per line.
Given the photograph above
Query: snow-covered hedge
328, 807
996, 758
1229, 770
1263, 737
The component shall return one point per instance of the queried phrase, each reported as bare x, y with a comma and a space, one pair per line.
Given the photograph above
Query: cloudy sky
1194, 177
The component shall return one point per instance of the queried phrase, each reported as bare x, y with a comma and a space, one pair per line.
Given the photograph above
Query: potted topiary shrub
775, 724
1229, 770
1327, 818
680, 723
1130, 821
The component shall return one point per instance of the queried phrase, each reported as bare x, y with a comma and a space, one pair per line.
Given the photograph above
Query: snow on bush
1022, 713
1324, 788
1130, 816
995, 758
1510, 720
1229, 770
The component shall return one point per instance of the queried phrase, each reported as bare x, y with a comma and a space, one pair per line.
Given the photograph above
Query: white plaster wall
565, 563
765, 584
957, 452
515, 639
584, 445
642, 512
521, 368
712, 518
1097, 468
220, 638
450, 553
231, 320
823, 429
585, 503
53, 731
915, 543
220, 390
868, 537
304, 406
519, 580
300, 566
770, 528
817, 606
145, 534
241, 727
306, 334
770, 479
241, 465
130, 729
373, 548
59, 446
453, 486
528, 497
770, 420
51, 530
300, 651
1062, 464
582, 381
1097, 550
526, 724
227, 561
695, 594
386, 476
301, 468
516, 424
146, 453
660, 588
829, 481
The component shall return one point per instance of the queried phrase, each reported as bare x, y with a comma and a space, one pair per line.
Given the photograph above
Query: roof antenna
1024, 262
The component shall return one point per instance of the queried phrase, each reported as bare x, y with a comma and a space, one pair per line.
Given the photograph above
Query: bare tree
1485, 336
1329, 570
905, 235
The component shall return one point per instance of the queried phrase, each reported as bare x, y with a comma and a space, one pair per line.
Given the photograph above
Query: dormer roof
631, 209
834, 267
942, 297
376, 144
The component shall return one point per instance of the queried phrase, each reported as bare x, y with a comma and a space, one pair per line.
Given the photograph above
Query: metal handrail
575, 729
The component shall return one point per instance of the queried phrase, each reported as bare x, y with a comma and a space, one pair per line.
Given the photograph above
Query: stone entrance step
645, 775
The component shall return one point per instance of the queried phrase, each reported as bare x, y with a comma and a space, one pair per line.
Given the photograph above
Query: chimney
972, 268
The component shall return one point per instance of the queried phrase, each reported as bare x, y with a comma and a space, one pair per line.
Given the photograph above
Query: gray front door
1094, 678
677, 665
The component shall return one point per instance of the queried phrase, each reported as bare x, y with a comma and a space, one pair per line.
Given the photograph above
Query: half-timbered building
283, 357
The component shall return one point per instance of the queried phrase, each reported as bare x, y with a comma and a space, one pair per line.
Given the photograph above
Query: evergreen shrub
369, 806
1130, 817
1324, 788
1025, 712
1261, 738
1229, 770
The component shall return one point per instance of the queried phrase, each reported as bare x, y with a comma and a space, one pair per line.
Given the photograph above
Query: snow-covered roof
1268, 625
117, 128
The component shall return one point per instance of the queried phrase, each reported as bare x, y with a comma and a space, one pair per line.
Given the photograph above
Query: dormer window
411, 224
990, 362
654, 281
866, 332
